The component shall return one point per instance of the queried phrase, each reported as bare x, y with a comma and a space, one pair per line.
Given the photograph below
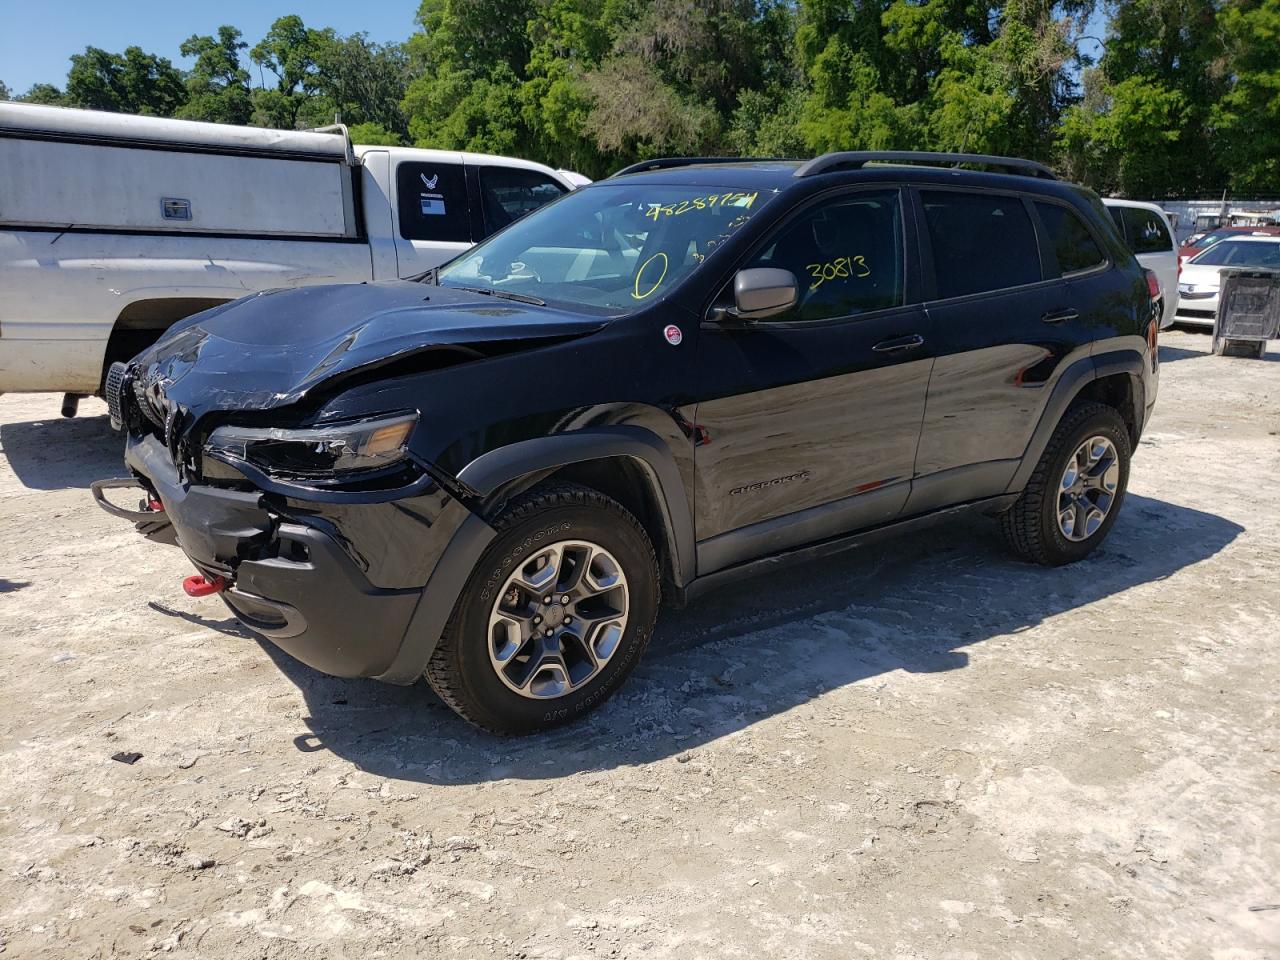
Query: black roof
780, 173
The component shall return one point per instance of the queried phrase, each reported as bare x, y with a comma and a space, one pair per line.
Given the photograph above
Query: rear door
1003, 325
505, 194
433, 220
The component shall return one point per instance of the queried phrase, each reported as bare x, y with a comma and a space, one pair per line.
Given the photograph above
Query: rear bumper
346, 589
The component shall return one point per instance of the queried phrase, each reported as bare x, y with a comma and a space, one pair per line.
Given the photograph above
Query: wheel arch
1113, 378
628, 463
140, 323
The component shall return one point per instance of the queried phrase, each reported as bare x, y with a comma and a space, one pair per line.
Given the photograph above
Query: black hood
270, 349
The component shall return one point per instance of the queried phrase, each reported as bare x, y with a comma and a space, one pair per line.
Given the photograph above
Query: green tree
217, 86
363, 82
45, 93
1247, 117
5, 93
469, 61
1144, 127
129, 82
291, 51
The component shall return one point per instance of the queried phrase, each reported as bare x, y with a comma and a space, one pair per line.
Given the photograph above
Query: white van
113, 227
1146, 230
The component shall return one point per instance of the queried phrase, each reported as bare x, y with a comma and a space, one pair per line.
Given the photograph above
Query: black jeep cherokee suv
490, 474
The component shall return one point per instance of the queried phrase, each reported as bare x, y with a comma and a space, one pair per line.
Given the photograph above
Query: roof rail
665, 163
857, 159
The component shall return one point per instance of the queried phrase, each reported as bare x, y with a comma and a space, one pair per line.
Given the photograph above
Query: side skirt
852, 541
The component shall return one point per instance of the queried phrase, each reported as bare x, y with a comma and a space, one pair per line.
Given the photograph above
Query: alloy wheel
558, 619
1088, 488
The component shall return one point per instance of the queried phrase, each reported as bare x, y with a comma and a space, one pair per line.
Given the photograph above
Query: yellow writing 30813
839, 269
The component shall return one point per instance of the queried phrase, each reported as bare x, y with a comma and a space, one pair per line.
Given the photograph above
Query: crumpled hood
270, 349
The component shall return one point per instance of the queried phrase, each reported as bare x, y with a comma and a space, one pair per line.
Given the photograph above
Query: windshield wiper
505, 294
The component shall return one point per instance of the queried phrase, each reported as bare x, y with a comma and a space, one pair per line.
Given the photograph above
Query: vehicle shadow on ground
763, 646
57, 453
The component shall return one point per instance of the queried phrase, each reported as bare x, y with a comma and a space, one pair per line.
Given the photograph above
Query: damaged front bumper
353, 589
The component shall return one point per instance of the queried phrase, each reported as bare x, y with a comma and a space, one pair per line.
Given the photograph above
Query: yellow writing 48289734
709, 202
842, 268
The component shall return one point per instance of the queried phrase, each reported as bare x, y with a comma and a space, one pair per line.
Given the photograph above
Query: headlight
338, 449
1196, 290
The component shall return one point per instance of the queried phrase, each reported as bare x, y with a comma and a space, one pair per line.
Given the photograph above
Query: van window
508, 193
432, 202
846, 254
980, 242
1145, 231
1070, 238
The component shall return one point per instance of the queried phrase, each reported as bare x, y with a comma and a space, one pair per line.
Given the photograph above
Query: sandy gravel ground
925, 750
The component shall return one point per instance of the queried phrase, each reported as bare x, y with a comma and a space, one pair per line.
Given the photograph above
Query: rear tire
1055, 522
510, 662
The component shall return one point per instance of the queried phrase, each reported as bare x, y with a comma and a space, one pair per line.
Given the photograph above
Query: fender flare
491, 471
1068, 386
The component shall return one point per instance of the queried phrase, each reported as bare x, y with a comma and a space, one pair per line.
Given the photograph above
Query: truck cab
114, 227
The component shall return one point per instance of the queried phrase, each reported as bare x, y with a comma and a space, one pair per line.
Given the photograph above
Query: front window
612, 246
1241, 253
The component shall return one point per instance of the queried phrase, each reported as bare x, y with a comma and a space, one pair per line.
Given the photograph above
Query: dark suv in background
666, 379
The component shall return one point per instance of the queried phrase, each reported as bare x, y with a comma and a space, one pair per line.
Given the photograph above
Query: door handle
899, 344
1058, 316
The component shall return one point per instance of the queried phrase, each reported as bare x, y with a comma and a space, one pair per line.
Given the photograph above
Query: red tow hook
155, 506
197, 585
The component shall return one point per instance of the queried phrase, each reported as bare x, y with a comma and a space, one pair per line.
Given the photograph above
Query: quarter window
1145, 231
432, 202
1070, 238
508, 194
980, 242
846, 255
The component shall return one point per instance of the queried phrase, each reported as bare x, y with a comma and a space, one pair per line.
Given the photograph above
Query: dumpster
1248, 312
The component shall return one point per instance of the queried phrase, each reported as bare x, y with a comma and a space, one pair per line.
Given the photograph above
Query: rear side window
1145, 230
432, 202
1070, 238
846, 254
507, 194
980, 242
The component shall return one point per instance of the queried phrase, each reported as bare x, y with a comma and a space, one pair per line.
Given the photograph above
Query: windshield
614, 247
1241, 253
1209, 239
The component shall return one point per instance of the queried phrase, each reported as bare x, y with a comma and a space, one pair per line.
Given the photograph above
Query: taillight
1153, 284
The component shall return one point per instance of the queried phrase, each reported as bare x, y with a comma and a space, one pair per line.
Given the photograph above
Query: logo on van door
430, 181
431, 204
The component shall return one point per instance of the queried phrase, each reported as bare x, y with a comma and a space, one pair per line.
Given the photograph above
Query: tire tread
441, 672
1020, 524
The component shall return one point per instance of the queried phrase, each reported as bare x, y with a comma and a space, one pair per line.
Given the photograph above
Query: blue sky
37, 38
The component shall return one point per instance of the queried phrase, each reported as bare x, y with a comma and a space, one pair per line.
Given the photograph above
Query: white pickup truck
113, 227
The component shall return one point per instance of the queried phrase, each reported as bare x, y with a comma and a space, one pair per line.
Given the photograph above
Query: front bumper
1196, 311
346, 589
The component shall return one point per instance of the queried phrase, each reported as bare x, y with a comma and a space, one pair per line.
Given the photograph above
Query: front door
809, 419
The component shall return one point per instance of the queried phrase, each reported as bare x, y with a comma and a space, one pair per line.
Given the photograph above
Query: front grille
115, 380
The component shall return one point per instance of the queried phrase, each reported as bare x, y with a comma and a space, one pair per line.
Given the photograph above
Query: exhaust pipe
71, 403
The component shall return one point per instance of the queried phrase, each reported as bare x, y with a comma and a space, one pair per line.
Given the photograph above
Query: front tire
1076, 490
556, 614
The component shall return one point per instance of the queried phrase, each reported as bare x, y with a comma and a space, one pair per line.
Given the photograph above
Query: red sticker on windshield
673, 334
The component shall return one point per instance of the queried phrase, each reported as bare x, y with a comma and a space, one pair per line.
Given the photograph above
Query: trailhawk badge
673, 334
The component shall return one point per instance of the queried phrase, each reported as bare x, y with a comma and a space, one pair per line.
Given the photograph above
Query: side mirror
763, 292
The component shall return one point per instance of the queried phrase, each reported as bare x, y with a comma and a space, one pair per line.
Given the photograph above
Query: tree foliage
1184, 99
